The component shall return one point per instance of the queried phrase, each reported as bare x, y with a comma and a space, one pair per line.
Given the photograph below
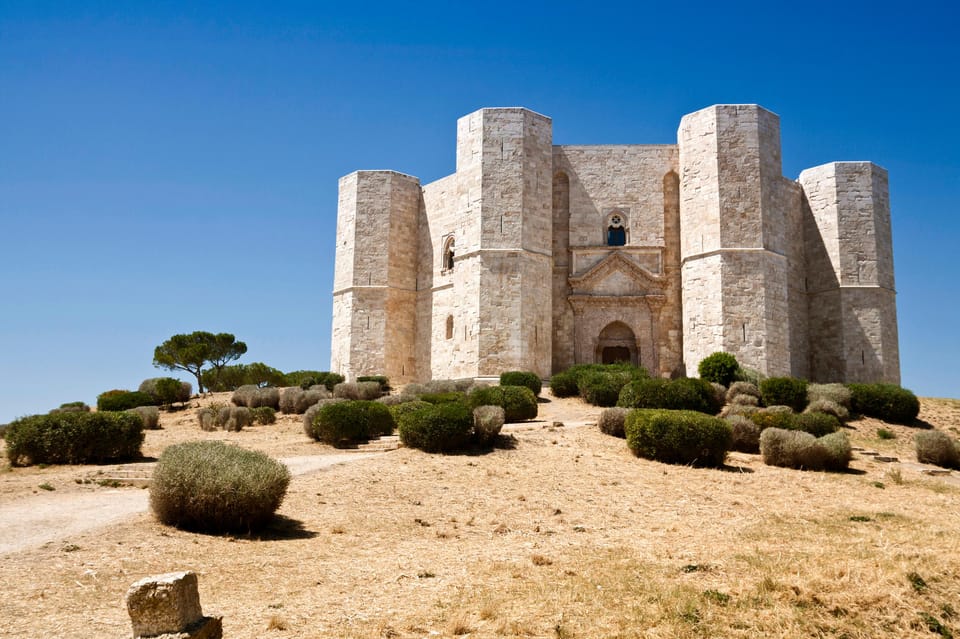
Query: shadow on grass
283, 528
727, 468
921, 424
544, 400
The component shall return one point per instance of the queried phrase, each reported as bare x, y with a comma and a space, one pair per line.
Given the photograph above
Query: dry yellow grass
563, 535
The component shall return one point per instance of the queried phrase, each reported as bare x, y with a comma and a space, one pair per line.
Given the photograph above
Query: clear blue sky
168, 167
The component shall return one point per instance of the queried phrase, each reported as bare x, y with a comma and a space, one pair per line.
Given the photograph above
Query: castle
535, 256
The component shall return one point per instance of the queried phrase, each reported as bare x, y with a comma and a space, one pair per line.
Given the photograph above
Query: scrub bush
214, 487
522, 378
382, 380
781, 417
166, 390
784, 391
71, 407
718, 367
677, 394
518, 402
564, 384
740, 389
295, 400
118, 400
888, 402
234, 418
407, 407
937, 448
678, 436
828, 407
837, 393
487, 424
150, 416
439, 428
443, 398
74, 438
612, 420
253, 396
312, 411
817, 424
745, 434
264, 415
797, 449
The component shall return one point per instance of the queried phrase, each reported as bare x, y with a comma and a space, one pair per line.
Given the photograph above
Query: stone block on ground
169, 605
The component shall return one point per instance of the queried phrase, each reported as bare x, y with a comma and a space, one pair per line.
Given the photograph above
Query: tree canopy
191, 352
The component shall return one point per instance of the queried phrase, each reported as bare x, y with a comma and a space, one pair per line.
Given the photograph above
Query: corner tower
505, 164
733, 238
375, 276
852, 301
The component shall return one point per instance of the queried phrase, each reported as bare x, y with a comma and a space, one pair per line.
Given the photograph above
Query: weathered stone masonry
535, 256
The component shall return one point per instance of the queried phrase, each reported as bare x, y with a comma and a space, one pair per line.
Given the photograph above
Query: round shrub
407, 407
71, 407
828, 407
438, 428
522, 378
440, 386
234, 418
612, 420
678, 437
166, 390
264, 415
781, 417
817, 424
296, 400
937, 448
745, 434
74, 438
564, 385
677, 394
784, 391
742, 389
518, 402
797, 449
888, 402
600, 388
207, 417
117, 400
150, 416
745, 400
382, 380
837, 393
345, 423
718, 367
738, 409
252, 396
390, 400
412, 392
311, 412
215, 487
487, 424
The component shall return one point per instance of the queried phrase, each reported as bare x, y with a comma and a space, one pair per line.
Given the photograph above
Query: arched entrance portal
617, 343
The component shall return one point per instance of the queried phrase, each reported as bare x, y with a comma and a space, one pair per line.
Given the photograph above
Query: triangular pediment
617, 275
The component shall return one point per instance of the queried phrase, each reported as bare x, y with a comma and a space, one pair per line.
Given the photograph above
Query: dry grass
601, 545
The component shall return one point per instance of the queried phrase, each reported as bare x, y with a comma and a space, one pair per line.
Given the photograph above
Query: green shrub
439, 428
797, 449
601, 388
837, 393
358, 390
214, 487
443, 398
937, 448
166, 390
784, 391
677, 394
564, 384
407, 407
71, 407
518, 402
74, 438
678, 436
888, 402
412, 392
883, 433
264, 415
118, 400
718, 367
522, 378
253, 396
828, 407
150, 416
296, 400
612, 420
745, 400
382, 380
817, 424
312, 411
306, 379
345, 423
234, 418
781, 417
745, 434
742, 389
487, 424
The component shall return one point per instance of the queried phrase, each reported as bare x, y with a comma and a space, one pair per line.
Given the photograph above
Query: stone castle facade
536, 256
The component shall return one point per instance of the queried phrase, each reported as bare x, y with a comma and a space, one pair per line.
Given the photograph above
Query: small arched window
448, 252
449, 326
616, 229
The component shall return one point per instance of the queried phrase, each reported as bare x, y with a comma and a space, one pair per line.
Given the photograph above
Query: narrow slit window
449, 326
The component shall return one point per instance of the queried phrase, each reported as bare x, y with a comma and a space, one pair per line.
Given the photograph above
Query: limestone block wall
848, 243
731, 205
375, 275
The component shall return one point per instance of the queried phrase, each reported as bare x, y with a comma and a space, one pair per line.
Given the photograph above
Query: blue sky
168, 167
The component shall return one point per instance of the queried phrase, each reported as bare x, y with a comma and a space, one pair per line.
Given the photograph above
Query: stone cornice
653, 302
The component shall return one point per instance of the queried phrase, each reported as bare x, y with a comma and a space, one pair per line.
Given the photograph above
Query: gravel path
48, 517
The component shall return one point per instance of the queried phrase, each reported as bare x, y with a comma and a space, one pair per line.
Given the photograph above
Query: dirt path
48, 517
